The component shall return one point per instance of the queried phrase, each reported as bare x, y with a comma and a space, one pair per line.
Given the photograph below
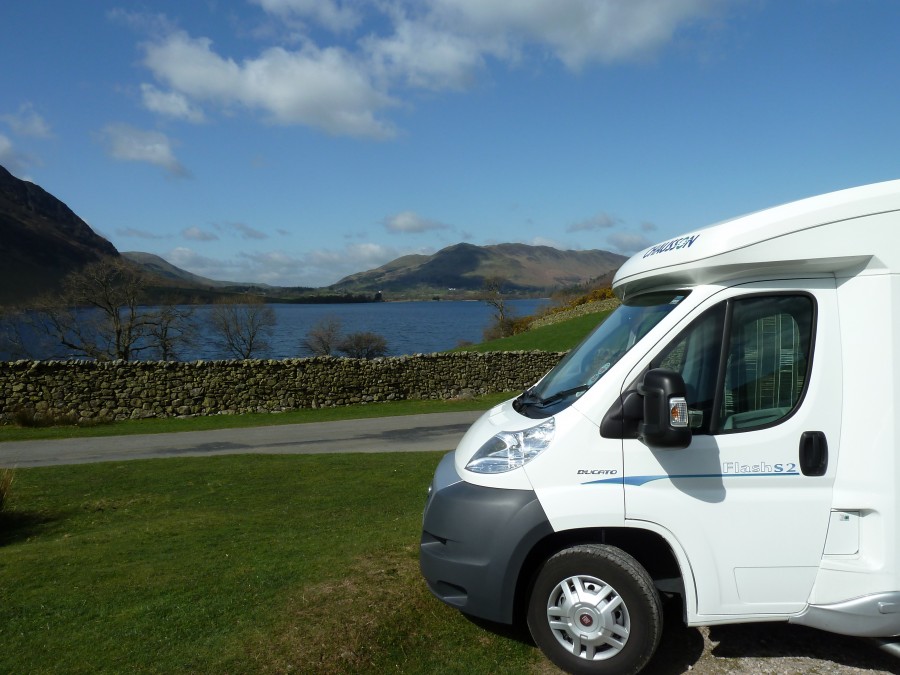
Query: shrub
29, 417
323, 338
363, 345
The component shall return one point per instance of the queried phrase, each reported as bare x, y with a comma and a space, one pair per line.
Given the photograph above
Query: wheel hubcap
588, 618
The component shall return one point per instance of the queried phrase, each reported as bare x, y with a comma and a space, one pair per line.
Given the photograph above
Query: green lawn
230, 564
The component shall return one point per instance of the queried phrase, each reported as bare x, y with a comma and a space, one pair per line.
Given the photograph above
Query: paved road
410, 433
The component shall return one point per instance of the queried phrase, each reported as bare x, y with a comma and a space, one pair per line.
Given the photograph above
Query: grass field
230, 564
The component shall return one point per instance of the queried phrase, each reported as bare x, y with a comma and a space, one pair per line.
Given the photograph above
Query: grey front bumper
475, 541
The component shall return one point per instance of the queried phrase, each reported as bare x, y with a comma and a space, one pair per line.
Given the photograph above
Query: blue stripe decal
641, 480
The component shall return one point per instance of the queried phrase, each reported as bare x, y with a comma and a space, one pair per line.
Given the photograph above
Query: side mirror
665, 422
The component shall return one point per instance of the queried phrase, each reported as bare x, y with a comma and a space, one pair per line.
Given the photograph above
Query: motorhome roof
848, 231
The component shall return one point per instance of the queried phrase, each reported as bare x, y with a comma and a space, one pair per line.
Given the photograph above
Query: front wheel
594, 610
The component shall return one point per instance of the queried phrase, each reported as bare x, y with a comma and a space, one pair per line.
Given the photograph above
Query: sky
293, 142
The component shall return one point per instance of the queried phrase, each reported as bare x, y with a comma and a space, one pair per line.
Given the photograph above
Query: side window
768, 359
744, 362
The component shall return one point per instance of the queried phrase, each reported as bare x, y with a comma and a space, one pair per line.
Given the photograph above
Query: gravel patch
760, 649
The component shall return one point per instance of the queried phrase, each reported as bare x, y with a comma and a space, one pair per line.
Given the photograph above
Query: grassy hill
556, 337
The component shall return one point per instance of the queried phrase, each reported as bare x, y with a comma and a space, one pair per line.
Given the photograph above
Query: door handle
813, 453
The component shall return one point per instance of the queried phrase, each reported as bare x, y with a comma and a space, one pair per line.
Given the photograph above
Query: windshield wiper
528, 397
565, 393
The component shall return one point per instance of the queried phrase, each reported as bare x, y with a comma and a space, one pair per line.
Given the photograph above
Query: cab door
749, 498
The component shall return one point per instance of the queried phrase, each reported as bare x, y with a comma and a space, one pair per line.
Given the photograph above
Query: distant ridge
464, 267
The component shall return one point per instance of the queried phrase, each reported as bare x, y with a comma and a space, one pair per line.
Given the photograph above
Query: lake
409, 327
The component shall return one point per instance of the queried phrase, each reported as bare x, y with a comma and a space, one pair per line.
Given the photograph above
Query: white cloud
129, 144
628, 243
138, 234
157, 24
242, 230
317, 268
6, 148
27, 122
170, 103
323, 88
197, 234
411, 222
423, 56
333, 15
578, 32
247, 232
601, 221
270, 267
13, 160
211, 268
544, 241
354, 257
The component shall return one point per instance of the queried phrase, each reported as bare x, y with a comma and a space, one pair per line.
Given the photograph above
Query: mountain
464, 267
41, 239
161, 269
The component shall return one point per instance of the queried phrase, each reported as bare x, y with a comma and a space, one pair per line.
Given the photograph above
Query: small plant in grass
6, 479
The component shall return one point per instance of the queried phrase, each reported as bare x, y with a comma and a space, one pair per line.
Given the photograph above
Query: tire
594, 610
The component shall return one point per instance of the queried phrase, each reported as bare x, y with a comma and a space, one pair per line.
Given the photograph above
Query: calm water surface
408, 327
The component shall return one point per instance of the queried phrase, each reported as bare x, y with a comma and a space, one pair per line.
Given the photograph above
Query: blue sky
293, 142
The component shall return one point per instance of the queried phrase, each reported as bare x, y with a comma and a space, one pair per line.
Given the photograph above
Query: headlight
510, 450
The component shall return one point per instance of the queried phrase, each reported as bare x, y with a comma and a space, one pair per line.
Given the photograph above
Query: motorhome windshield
582, 367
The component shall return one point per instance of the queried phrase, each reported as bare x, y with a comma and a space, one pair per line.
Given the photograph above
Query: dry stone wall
122, 390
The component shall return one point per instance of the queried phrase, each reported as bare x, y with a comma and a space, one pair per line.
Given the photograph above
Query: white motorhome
728, 434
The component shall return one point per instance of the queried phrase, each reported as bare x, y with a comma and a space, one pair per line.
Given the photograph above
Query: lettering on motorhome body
672, 245
732, 468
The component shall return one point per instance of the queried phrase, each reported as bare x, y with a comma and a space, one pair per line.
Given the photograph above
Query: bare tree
243, 326
323, 338
493, 291
14, 342
363, 345
172, 331
99, 313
